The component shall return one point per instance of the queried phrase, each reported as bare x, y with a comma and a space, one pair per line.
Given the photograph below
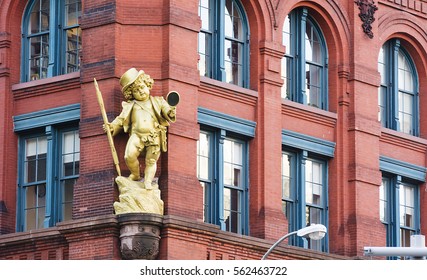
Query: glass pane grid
35, 204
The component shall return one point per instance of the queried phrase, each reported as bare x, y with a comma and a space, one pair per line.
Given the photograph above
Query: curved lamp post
314, 231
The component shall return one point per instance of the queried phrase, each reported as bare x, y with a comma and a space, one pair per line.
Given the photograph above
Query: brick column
267, 218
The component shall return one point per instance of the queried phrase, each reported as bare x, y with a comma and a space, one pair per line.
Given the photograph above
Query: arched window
51, 43
224, 41
304, 66
398, 93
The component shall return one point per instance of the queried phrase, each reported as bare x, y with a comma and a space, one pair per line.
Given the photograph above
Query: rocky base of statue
139, 235
135, 198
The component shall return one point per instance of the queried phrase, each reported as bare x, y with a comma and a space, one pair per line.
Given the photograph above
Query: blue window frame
48, 166
51, 39
305, 184
48, 170
398, 92
222, 170
224, 41
304, 194
304, 65
399, 209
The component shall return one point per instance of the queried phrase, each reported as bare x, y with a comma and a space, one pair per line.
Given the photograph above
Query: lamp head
314, 231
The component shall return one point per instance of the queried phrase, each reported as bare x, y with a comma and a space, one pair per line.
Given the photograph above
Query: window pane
232, 210
39, 17
233, 62
384, 215
70, 153
38, 57
287, 77
314, 182
286, 176
204, 53
206, 202
233, 165
405, 237
382, 106
35, 159
313, 49
406, 112
72, 12
74, 47
407, 206
35, 203
313, 78
67, 198
405, 75
382, 65
233, 22
287, 35
204, 13
203, 156
314, 216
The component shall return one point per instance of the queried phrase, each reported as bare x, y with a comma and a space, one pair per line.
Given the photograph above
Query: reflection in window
399, 210
308, 56
223, 53
397, 94
228, 191
204, 159
308, 195
43, 31
41, 186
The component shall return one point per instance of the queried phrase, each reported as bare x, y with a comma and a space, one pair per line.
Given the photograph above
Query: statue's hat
129, 77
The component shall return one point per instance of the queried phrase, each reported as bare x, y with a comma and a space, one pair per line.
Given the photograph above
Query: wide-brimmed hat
129, 77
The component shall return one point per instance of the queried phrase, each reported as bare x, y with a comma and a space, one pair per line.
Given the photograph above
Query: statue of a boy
145, 118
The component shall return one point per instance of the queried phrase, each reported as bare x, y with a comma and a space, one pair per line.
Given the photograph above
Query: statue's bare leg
151, 157
131, 157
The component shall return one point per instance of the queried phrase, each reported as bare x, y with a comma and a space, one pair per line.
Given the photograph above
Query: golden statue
145, 118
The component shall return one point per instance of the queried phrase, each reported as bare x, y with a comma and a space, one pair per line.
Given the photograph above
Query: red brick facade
161, 37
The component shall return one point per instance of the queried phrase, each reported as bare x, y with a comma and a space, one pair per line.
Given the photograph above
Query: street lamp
314, 231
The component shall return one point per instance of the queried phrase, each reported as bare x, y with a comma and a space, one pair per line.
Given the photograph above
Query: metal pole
277, 243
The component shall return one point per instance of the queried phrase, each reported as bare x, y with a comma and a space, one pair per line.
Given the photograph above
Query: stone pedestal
136, 198
139, 235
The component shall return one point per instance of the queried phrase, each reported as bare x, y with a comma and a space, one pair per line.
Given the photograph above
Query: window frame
389, 91
57, 42
223, 127
294, 73
53, 201
214, 195
215, 67
51, 124
392, 210
296, 213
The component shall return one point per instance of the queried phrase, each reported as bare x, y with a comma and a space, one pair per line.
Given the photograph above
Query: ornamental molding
367, 10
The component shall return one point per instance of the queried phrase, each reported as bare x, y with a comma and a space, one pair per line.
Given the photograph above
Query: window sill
310, 113
25, 85
46, 86
403, 140
227, 86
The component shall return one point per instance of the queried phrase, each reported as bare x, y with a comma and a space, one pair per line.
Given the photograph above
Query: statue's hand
172, 112
108, 126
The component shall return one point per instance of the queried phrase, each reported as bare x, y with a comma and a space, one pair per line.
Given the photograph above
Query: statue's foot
134, 177
148, 185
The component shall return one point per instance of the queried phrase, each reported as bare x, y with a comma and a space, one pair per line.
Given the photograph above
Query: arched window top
406, 71
398, 92
51, 43
304, 64
224, 41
